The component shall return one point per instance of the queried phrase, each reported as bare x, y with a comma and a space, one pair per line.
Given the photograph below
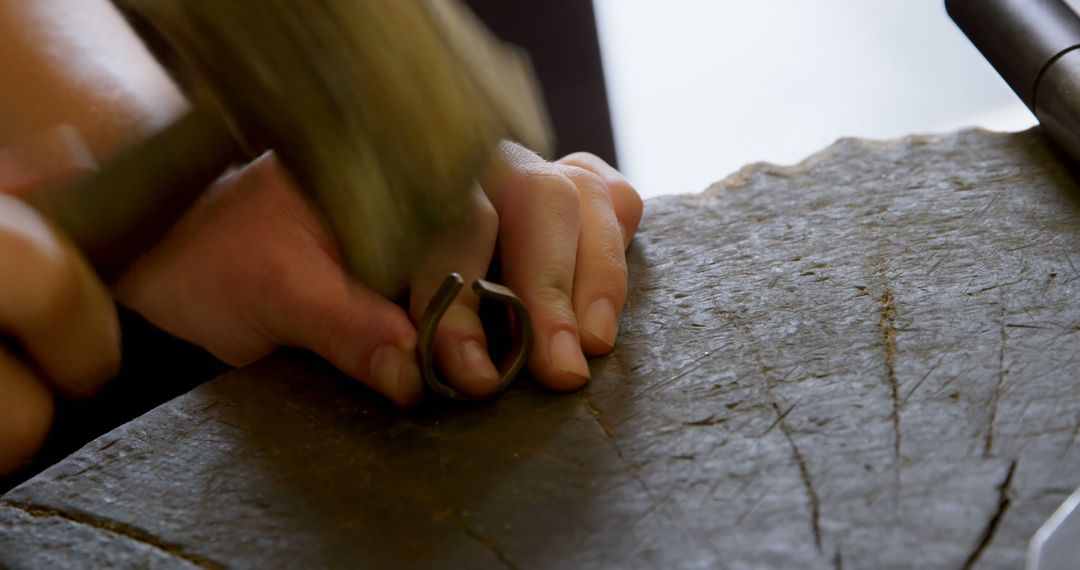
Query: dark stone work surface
867, 360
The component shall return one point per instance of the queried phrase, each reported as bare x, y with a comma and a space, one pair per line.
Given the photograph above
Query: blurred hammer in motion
382, 110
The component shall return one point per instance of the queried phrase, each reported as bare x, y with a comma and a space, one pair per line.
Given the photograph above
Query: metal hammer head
383, 110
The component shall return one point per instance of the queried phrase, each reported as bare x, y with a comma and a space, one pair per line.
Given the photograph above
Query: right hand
59, 324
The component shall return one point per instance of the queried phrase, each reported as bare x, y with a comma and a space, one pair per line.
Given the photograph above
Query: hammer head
383, 110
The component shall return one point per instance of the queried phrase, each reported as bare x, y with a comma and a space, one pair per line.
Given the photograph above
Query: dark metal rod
1033, 45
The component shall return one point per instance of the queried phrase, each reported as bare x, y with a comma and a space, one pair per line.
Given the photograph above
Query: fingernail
386, 366
600, 321
566, 354
476, 362
410, 387
396, 374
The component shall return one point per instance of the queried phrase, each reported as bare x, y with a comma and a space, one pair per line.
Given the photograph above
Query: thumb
361, 333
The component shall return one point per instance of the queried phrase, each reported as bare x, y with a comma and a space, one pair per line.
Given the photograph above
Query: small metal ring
440, 302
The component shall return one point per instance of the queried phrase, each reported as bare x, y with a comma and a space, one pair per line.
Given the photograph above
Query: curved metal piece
440, 302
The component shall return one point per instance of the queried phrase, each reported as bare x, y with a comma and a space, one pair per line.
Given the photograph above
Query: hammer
383, 111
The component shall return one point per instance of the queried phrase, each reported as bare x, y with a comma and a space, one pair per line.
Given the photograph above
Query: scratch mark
995, 520
941, 259
706, 422
1075, 434
1072, 265
779, 418
487, 543
690, 367
929, 371
212, 403
808, 483
1050, 281
115, 527
80, 472
989, 205
620, 371
309, 416
609, 434
753, 508
887, 328
599, 418
992, 287
237, 427
988, 447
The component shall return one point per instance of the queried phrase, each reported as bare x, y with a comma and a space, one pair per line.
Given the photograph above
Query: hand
59, 320
252, 267
560, 231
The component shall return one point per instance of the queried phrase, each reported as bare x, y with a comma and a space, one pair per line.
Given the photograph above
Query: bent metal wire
425, 344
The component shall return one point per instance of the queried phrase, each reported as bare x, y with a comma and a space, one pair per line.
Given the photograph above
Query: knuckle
629, 207
546, 192
629, 197
625, 192
584, 178
557, 186
591, 187
518, 157
581, 158
549, 302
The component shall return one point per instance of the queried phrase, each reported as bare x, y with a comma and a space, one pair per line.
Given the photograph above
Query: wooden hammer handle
125, 208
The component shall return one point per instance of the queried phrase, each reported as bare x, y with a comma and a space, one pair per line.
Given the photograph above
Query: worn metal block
867, 360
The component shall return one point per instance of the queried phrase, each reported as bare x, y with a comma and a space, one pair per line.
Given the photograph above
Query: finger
358, 331
26, 412
539, 219
51, 157
600, 276
57, 310
624, 197
461, 350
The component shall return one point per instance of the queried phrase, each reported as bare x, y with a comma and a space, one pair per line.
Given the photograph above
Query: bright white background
700, 87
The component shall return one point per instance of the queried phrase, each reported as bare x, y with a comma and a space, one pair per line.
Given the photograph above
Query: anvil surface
866, 360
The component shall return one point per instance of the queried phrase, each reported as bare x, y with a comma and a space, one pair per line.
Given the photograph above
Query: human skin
59, 322
251, 266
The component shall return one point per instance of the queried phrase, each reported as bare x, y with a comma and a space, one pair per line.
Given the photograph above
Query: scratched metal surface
863, 361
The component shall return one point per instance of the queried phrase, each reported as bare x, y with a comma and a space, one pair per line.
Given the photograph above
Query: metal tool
383, 111
1033, 45
425, 344
1056, 546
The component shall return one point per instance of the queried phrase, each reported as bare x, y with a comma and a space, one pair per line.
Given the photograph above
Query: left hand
560, 231
251, 268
